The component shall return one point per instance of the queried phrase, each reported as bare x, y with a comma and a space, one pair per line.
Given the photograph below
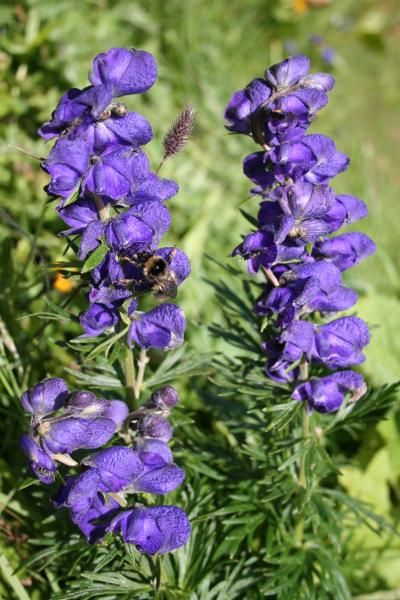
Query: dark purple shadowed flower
346, 250
153, 451
109, 297
164, 398
162, 327
97, 319
258, 249
66, 164
124, 71
155, 529
244, 103
45, 397
327, 394
79, 214
155, 426
277, 368
41, 464
340, 343
298, 340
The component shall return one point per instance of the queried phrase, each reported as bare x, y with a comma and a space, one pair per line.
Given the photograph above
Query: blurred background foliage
205, 50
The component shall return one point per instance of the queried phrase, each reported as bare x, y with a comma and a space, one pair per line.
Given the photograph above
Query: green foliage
256, 532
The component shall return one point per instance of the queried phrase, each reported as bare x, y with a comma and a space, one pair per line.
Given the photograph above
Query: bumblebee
156, 273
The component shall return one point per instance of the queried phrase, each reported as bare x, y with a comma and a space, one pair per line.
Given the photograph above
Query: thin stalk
142, 362
102, 209
271, 277
130, 381
299, 529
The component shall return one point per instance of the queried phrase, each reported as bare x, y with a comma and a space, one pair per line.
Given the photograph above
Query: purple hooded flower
139, 228
131, 129
155, 426
340, 343
98, 318
162, 327
124, 71
311, 210
346, 250
288, 72
124, 469
298, 340
116, 172
164, 398
79, 214
327, 394
306, 288
45, 397
258, 249
244, 103
41, 464
84, 404
155, 529
66, 164
153, 188
67, 434
314, 157
277, 368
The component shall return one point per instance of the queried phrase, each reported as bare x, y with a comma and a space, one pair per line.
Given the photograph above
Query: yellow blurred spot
63, 285
300, 6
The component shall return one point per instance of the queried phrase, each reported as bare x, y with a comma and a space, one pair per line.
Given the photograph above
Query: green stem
130, 382
299, 528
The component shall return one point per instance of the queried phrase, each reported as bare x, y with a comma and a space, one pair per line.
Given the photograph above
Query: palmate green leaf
95, 257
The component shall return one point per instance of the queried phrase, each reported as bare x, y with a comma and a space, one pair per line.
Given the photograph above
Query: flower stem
102, 209
299, 528
142, 362
130, 379
271, 277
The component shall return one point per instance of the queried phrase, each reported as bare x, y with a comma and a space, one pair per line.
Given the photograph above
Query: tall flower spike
291, 241
111, 200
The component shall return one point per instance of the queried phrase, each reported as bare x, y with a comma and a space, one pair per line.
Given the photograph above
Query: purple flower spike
45, 397
288, 72
340, 343
327, 394
41, 464
162, 327
156, 529
124, 71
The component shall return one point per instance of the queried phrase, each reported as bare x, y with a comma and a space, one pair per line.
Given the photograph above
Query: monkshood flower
327, 394
155, 529
81, 421
162, 327
118, 72
291, 244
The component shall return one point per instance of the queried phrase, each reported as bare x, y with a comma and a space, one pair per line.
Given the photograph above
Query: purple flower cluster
291, 245
111, 200
64, 422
